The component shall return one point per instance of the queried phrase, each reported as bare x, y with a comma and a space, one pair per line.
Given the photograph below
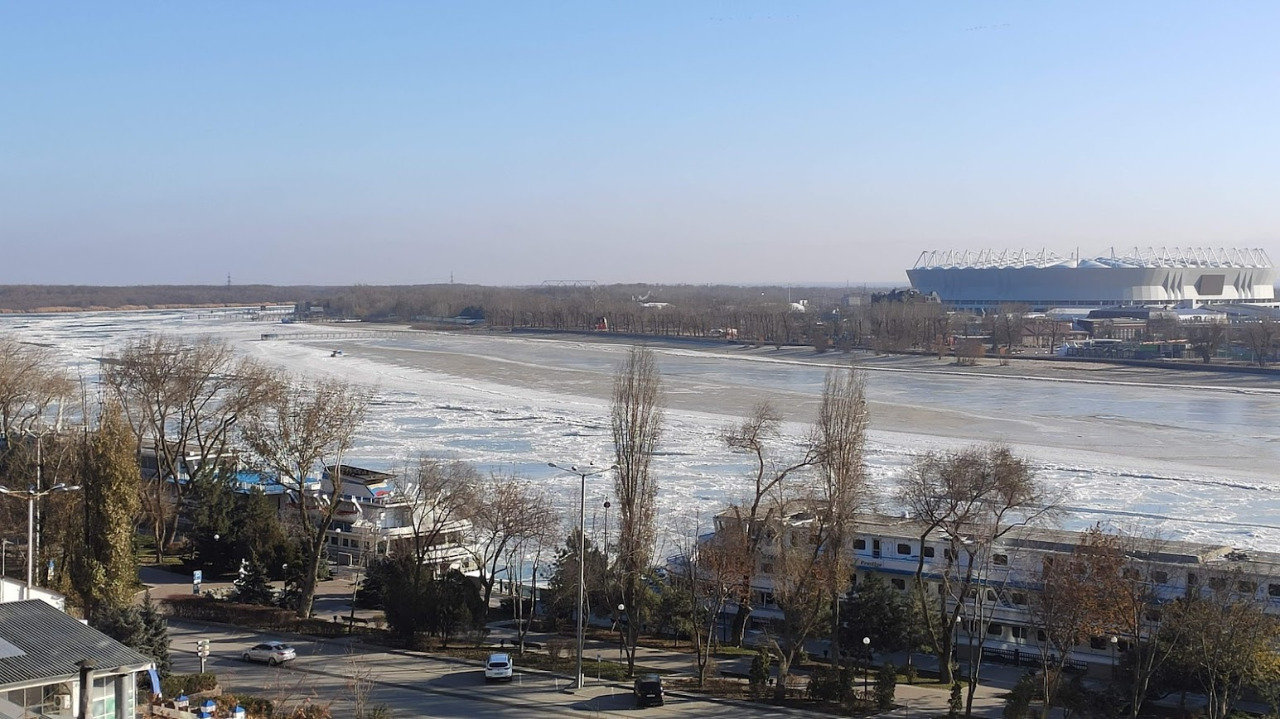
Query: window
1245, 586
766, 568
1018, 632
1192, 579
971, 593
1152, 615
991, 595
904, 549
1217, 583
928, 552
899, 584
1098, 642
1041, 636
860, 544
1000, 560
1130, 573
995, 630
1273, 590
949, 555
1160, 577
1018, 598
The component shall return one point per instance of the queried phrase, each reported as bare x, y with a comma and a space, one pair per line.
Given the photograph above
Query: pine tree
107, 569
155, 635
252, 586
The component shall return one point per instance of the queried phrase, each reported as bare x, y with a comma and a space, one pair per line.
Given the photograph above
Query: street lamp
589, 471
1115, 641
621, 608
866, 670
31, 495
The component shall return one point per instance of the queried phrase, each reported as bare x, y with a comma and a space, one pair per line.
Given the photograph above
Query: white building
1188, 277
890, 548
376, 516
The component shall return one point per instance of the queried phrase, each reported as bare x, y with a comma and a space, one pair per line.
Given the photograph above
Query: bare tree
507, 511
1080, 597
183, 397
440, 495
969, 499
302, 428
756, 436
1138, 611
1226, 642
1260, 337
714, 572
1206, 338
31, 382
800, 566
840, 436
637, 426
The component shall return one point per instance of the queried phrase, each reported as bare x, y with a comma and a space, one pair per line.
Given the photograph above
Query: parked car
649, 691
498, 668
272, 653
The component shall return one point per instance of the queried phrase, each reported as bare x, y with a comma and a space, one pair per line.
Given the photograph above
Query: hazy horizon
744, 143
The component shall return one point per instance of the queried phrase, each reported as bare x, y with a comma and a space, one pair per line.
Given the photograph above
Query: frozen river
1193, 462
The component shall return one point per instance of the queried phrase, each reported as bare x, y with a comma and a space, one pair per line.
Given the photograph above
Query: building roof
41, 645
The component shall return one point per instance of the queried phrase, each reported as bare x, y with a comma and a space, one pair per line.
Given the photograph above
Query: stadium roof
1140, 257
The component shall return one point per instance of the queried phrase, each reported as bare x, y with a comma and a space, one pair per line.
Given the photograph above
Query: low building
376, 515
13, 590
890, 548
56, 667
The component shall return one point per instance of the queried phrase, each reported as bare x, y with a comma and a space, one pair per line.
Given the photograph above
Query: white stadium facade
1173, 277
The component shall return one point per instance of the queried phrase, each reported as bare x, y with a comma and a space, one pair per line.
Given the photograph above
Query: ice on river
1195, 463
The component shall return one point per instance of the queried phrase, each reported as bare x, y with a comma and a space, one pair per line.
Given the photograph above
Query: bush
558, 646
886, 686
828, 685
178, 684
254, 707
1017, 705
759, 676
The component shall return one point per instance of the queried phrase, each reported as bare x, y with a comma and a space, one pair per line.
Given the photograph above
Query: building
56, 667
1186, 277
1002, 618
377, 515
13, 590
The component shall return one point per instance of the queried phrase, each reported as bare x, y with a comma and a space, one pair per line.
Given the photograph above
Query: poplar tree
636, 421
107, 567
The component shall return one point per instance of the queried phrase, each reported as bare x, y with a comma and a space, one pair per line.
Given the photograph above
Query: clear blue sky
511, 143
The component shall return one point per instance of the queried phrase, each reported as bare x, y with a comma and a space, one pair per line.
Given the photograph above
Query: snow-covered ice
1193, 463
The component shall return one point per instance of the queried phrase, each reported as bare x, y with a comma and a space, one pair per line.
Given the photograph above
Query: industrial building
1173, 277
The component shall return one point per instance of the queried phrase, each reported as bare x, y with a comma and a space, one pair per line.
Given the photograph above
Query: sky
665, 142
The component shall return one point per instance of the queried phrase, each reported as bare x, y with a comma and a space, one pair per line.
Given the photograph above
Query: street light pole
866, 670
582, 552
31, 496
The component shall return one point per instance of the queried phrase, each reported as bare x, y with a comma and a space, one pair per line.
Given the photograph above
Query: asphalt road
417, 686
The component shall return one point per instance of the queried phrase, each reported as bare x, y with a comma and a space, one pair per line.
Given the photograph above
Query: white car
498, 668
272, 653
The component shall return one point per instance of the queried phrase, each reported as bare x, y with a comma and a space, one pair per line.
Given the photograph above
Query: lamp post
31, 495
588, 471
621, 608
1115, 641
866, 670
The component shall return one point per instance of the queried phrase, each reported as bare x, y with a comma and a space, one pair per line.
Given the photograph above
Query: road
415, 685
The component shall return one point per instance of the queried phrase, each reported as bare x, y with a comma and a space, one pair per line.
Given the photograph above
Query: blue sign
197, 576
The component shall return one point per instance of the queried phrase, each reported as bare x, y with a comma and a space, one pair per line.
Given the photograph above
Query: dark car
649, 691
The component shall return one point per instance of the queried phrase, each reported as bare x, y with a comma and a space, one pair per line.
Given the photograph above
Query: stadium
1170, 277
